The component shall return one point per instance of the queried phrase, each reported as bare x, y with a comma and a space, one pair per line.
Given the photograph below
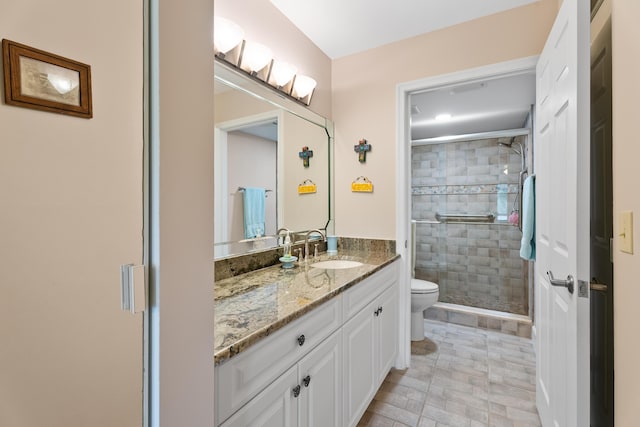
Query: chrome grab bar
465, 217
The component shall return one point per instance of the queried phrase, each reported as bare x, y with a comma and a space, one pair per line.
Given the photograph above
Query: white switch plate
626, 232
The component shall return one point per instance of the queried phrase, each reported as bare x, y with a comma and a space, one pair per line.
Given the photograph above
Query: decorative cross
304, 155
362, 149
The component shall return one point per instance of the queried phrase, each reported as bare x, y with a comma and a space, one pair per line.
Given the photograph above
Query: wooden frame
44, 81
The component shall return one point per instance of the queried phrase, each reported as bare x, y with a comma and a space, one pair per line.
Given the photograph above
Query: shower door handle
562, 283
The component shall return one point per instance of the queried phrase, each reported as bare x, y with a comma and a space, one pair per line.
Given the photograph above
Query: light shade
226, 34
303, 86
281, 73
255, 57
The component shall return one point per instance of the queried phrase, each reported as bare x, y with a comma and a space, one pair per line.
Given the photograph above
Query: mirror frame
241, 81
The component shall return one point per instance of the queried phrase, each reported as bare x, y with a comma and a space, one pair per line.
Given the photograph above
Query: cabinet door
387, 332
358, 364
320, 375
275, 406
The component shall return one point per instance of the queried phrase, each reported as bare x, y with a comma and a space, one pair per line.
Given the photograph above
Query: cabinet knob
380, 309
376, 313
306, 380
301, 339
296, 391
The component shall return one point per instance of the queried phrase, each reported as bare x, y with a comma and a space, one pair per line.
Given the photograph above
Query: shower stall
466, 205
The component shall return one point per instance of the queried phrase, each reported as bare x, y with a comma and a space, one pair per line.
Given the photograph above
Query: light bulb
226, 34
282, 73
256, 56
303, 86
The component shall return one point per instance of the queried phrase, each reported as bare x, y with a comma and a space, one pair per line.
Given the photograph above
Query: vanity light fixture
303, 87
282, 75
256, 60
227, 39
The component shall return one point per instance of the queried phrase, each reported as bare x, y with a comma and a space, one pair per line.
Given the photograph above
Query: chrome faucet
306, 241
279, 233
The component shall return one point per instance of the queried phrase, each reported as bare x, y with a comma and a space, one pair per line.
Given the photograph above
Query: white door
358, 337
387, 325
275, 406
320, 375
562, 215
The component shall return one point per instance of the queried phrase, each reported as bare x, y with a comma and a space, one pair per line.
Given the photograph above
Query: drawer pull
296, 391
301, 339
306, 380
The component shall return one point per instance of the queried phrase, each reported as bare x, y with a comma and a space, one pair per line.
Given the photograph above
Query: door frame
403, 173
221, 194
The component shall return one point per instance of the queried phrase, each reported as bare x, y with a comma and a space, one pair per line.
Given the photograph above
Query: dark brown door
601, 296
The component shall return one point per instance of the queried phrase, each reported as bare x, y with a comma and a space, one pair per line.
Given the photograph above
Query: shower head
519, 151
509, 144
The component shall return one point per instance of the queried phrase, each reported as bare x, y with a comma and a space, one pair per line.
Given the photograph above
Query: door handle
562, 283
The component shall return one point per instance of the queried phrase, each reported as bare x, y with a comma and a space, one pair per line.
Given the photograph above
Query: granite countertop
251, 306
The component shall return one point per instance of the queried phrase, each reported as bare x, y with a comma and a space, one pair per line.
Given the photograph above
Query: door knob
562, 283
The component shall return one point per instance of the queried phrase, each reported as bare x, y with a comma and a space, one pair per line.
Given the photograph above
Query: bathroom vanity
307, 346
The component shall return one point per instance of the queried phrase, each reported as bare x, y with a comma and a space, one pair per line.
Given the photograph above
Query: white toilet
423, 295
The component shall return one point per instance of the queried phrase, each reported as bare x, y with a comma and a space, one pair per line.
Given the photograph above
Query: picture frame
44, 81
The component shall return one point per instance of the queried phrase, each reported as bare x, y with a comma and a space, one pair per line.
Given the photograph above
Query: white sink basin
335, 264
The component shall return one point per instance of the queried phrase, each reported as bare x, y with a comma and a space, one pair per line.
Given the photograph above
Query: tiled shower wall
474, 264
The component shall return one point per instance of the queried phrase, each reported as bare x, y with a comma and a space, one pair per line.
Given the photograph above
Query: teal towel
528, 243
253, 200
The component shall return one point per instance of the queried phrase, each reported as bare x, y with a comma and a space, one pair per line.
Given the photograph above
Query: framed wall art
44, 81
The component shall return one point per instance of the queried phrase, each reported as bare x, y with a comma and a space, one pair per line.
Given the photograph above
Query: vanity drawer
245, 375
356, 298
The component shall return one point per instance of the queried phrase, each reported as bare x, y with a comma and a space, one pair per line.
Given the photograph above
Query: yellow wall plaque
362, 185
307, 187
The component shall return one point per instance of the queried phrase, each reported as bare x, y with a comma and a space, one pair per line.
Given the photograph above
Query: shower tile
463, 319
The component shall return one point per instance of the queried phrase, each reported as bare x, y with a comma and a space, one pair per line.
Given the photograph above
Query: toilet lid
423, 287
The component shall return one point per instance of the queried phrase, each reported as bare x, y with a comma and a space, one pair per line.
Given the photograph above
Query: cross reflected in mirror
362, 149
305, 154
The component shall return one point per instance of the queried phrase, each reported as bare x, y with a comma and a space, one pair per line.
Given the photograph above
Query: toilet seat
423, 287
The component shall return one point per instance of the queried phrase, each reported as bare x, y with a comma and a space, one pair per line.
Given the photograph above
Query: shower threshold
507, 323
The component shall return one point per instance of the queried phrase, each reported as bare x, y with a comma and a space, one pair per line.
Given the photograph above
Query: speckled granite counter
251, 306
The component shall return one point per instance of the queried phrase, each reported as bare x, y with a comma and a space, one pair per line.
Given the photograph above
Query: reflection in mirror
257, 145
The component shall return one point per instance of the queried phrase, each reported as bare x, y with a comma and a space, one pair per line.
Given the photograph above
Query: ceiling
345, 27
482, 106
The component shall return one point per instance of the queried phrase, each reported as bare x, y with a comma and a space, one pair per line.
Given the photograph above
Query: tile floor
460, 377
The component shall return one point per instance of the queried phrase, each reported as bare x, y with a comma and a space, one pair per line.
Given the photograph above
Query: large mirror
259, 138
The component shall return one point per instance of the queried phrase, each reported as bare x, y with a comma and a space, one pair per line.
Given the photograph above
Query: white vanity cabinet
330, 379
307, 394
370, 347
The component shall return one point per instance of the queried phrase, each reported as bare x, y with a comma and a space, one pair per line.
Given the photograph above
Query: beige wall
264, 23
70, 215
183, 249
253, 161
364, 101
304, 211
626, 152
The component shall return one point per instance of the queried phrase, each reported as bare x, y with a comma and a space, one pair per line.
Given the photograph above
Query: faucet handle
315, 250
299, 254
